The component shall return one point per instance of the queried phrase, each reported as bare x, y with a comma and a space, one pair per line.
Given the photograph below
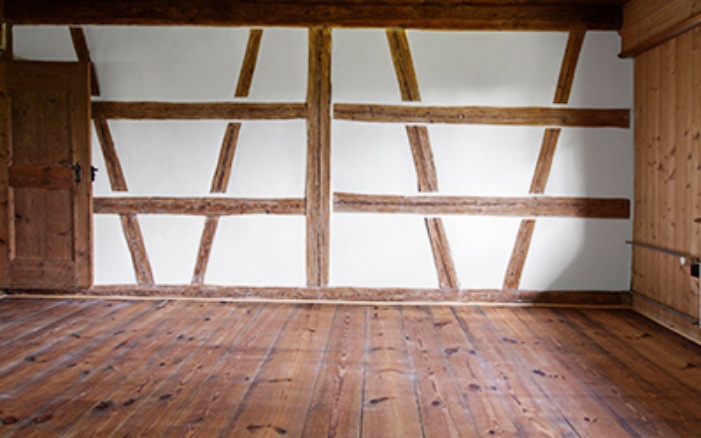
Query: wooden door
46, 142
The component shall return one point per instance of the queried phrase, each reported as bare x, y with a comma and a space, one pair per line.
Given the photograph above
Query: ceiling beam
445, 14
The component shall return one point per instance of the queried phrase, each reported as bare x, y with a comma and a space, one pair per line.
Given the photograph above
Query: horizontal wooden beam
401, 296
436, 14
481, 115
198, 111
531, 206
197, 206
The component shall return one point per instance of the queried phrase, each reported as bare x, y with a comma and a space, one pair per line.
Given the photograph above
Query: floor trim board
364, 296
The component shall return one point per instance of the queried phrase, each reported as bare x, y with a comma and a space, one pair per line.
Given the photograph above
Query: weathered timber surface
197, 206
483, 115
198, 110
372, 295
612, 208
413, 14
185, 368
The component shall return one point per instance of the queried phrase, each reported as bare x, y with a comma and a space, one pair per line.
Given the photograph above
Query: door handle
77, 170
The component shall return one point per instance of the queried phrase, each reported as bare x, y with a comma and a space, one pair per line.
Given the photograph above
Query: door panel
50, 202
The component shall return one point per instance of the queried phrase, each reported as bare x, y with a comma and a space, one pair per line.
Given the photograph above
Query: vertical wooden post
318, 183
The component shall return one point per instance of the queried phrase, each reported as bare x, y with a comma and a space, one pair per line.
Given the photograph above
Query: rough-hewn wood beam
80, 44
482, 115
198, 111
357, 13
403, 296
197, 206
318, 181
530, 206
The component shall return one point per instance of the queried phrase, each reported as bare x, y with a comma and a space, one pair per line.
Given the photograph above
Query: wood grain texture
442, 255
222, 174
137, 249
80, 44
248, 67
403, 65
198, 111
668, 80
5, 218
200, 206
570, 61
514, 271
482, 205
369, 295
318, 182
234, 369
650, 23
205, 249
481, 115
414, 14
422, 153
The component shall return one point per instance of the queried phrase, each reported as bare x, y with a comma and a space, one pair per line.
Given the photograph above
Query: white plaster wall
453, 68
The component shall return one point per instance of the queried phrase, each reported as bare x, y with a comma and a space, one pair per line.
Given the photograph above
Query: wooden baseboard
678, 322
352, 295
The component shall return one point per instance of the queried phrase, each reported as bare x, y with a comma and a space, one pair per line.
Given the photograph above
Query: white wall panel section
381, 251
362, 69
259, 251
171, 243
372, 158
485, 160
162, 158
481, 248
270, 160
577, 255
281, 71
113, 263
487, 68
167, 63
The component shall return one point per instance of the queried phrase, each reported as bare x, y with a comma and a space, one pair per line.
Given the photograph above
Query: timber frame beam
436, 14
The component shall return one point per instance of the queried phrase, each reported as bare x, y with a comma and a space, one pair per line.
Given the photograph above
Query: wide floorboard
83, 368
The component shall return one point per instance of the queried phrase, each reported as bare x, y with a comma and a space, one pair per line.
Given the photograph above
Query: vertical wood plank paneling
668, 109
570, 59
5, 213
318, 183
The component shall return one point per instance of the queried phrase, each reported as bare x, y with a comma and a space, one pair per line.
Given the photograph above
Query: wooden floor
178, 368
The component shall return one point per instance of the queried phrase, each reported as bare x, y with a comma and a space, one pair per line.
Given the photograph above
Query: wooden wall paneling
570, 59
695, 161
666, 170
5, 148
414, 14
421, 151
650, 23
222, 173
318, 181
639, 256
80, 44
198, 111
652, 214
